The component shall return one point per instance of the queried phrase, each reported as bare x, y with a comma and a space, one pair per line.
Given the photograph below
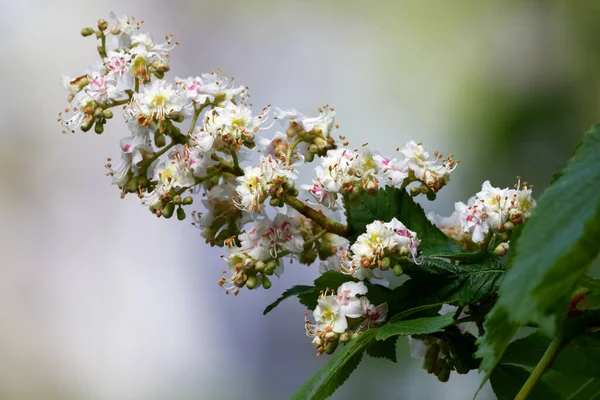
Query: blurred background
100, 300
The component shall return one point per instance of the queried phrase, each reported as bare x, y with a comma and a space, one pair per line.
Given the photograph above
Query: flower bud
344, 337
159, 139
188, 200
501, 250
180, 214
309, 157
87, 31
102, 24
385, 263
251, 282
330, 348
87, 125
260, 266
168, 210
266, 282
177, 199
397, 270
415, 191
431, 195
354, 335
99, 128
270, 268
108, 114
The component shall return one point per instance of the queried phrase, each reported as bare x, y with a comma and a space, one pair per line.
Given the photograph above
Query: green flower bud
344, 337
108, 114
310, 157
260, 266
308, 257
415, 191
180, 214
251, 282
270, 268
99, 128
159, 139
168, 210
330, 348
385, 263
397, 270
177, 199
188, 200
132, 185
431, 195
87, 31
266, 282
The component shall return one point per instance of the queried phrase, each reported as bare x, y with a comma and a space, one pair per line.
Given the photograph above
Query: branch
326, 223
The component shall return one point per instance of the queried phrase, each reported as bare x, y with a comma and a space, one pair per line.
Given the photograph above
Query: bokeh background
101, 301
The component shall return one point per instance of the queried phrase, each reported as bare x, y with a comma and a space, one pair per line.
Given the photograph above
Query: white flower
384, 239
330, 313
255, 184
267, 238
208, 87
230, 126
125, 27
143, 45
133, 150
374, 315
393, 172
426, 168
346, 297
118, 65
155, 102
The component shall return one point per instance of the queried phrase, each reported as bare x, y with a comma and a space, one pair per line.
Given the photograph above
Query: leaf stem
236, 163
313, 239
541, 367
326, 223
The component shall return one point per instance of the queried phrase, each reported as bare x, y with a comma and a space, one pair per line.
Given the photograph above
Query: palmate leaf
322, 384
572, 387
383, 349
552, 254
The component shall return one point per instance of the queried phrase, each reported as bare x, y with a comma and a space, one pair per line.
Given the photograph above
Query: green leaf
580, 356
573, 387
392, 203
293, 291
507, 380
417, 326
383, 349
552, 253
558, 243
377, 294
322, 384
435, 281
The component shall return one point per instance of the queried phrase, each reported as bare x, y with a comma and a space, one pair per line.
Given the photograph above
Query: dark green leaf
417, 326
461, 284
573, 387
383, 349
331, 376
377, 294
293, 291
553, 252
558, 243
580, 356
507, 380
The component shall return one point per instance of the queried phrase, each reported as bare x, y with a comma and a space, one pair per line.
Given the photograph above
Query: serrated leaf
580, 356
462, 284
558, 243
338, 369
417, 326
554, 250
293, 291
383, 349
507, 380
